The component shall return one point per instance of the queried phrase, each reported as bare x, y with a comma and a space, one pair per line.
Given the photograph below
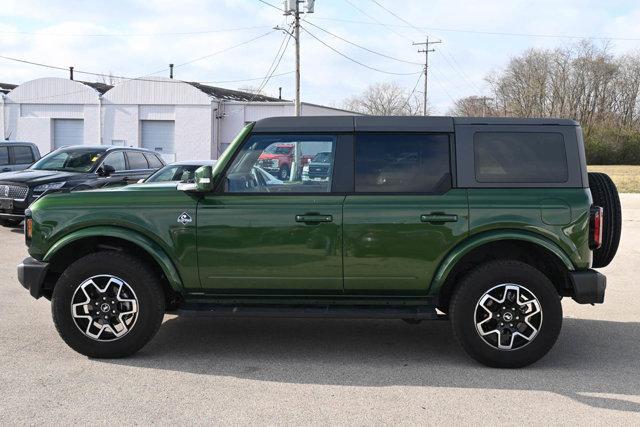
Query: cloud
458, 67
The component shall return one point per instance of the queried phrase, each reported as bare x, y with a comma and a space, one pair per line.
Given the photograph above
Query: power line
276, 61
134, 78
491, 33
362, 47
248, 80
269, 4
449, 64
223, 50
412, 92
355, 60
388, 27
394, 14
179, 33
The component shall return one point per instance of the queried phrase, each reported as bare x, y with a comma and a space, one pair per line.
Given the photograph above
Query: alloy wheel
508, 316
104, 307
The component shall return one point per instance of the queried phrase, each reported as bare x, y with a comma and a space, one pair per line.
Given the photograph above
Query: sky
209, 41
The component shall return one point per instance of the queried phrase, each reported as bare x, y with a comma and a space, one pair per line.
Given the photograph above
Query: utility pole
296, 32
292, 7
426, 52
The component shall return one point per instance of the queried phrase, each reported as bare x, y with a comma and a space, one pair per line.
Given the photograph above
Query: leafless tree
385, 99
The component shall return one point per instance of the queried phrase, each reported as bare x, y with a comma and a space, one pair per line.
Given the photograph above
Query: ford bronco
487, 222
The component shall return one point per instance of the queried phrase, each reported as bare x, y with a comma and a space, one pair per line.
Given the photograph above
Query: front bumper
31, 274
588, 286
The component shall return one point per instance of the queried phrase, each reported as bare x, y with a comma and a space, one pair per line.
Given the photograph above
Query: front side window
402, 163
282, 164
520, 157
116, 159
69, 160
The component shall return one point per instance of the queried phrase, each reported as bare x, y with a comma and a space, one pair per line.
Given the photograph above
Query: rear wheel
605, 195
506, 314
107, 304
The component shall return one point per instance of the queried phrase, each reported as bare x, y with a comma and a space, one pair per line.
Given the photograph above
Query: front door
260, 233
404, 215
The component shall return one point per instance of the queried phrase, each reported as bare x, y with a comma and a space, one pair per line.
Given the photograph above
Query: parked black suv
15, 156
72, 169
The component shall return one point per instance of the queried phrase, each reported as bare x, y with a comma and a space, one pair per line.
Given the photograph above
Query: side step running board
314, 311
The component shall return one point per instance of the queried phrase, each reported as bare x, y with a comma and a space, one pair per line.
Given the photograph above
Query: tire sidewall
150, 305
474, 286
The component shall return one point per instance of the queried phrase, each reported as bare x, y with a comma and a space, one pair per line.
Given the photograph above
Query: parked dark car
175, 172
72, 169
318, 168
15, 156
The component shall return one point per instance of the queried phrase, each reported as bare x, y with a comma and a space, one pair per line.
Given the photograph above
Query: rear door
138, 167
404, 215
5, 160
22, 156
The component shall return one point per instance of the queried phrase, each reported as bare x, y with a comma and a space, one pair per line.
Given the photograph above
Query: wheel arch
524, 246
87, 240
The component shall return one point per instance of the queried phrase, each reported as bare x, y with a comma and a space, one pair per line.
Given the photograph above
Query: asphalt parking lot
276, 371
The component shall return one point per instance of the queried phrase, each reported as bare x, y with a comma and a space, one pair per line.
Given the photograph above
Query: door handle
438, 217
6, 169
313, 218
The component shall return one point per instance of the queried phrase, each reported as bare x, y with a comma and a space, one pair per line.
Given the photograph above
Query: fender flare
466, 246
134, 237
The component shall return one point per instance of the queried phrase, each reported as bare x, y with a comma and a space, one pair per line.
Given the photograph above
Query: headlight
51, 186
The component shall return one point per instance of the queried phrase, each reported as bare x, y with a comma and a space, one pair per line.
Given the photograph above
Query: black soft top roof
390, 124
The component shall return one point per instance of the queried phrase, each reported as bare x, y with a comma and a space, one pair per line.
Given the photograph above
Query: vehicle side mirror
106, 170
203, 178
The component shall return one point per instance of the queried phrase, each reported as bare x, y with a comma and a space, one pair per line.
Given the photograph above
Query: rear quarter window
137, 160
520, 157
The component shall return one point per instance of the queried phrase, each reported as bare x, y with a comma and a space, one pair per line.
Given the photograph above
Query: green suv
486, 222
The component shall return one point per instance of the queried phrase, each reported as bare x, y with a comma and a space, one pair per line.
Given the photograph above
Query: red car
278, 158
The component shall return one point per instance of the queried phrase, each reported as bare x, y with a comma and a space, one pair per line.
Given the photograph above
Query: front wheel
283, 173
10, 222
107, 304
506, 314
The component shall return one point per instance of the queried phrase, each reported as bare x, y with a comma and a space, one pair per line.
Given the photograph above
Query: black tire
490, 276
139, 277
605, 195
283, 173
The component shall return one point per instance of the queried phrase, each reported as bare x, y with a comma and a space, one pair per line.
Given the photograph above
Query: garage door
67, 132
158, 135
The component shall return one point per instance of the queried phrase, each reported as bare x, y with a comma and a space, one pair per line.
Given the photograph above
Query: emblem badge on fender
184, 218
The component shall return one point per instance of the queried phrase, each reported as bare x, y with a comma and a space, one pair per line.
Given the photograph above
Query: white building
180, 119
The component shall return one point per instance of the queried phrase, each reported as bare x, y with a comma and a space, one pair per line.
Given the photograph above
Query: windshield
72, 160
279, 149
174, 173
322, 158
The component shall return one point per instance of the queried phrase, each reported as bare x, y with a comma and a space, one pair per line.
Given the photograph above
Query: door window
402, 163
22, 155
137, 160
283, 164
116, 159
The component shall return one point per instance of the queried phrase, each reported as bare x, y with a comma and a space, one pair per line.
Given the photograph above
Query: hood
35, 177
